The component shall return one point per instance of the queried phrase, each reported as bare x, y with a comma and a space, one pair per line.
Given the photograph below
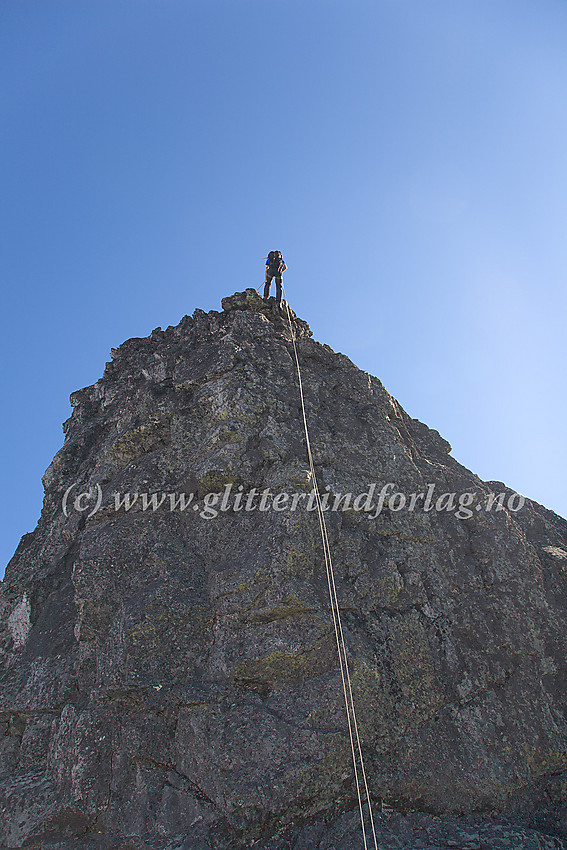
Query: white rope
339, 635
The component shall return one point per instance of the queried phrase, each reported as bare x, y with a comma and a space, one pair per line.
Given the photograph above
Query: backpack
275, 261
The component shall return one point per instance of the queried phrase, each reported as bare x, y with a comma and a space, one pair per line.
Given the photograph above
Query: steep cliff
169, 673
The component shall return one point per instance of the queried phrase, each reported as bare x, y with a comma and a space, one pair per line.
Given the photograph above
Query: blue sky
409, 158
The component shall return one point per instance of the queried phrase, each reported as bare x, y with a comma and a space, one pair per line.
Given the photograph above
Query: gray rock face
170, 677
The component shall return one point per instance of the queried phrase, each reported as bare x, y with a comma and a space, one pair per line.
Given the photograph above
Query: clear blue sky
409, 159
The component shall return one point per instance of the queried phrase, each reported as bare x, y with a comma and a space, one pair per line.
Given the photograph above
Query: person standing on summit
275, 267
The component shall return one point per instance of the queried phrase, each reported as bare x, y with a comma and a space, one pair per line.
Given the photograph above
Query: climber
275, 267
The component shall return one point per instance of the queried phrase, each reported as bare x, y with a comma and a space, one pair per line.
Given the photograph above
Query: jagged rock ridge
171, 681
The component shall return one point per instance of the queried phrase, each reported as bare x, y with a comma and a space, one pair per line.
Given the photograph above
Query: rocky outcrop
169, 672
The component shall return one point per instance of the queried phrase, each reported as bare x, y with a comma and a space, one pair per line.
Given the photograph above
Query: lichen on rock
19, 622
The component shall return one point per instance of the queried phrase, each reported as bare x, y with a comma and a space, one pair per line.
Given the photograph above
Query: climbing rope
358, 765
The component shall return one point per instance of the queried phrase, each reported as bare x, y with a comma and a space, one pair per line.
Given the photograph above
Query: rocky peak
169, 673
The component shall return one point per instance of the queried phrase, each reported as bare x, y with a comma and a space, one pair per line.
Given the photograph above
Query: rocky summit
169, 673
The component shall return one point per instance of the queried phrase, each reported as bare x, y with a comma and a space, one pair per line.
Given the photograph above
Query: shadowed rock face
170, 678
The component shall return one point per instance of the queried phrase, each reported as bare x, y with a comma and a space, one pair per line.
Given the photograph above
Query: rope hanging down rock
358, 764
